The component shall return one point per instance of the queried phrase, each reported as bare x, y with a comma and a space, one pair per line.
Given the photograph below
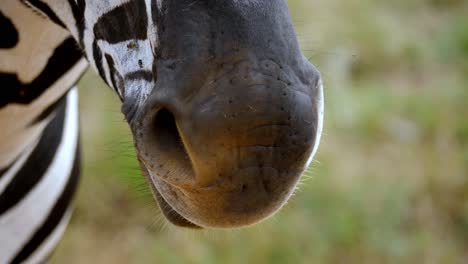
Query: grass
390, 184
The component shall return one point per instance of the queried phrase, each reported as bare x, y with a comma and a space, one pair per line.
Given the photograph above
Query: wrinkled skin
234, 116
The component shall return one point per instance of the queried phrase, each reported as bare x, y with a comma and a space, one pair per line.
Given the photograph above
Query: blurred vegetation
390, 184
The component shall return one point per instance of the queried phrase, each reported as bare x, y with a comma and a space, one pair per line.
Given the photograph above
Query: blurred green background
390, 181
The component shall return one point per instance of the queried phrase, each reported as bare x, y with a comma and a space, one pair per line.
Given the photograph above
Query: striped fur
35, 203
39, 143
43, 46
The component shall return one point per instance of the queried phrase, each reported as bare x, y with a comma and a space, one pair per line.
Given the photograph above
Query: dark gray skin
234, 116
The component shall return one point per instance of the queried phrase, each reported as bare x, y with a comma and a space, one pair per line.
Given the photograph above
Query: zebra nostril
166, 133
164, 149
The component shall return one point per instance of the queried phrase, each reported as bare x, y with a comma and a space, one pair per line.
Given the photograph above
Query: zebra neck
36, 191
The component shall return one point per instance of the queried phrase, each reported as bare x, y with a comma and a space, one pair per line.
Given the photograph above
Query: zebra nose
222, 160
203, 141
226, 157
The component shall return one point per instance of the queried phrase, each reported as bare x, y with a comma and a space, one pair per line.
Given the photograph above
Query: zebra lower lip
167, 209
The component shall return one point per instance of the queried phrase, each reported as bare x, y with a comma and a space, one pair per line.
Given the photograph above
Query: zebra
225, 111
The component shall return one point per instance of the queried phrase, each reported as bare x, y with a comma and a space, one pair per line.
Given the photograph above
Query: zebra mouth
171, 161
224, 190
169, 212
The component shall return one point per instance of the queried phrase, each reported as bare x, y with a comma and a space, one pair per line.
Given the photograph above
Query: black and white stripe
37, 189
39, 148
43, 46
